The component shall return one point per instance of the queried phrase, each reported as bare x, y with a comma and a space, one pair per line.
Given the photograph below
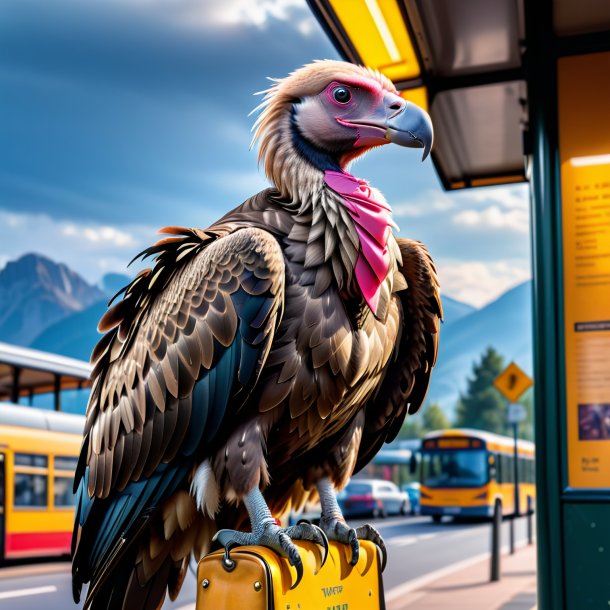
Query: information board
584, 143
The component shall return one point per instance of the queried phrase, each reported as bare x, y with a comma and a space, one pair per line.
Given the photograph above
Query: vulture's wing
185, 346
407, 377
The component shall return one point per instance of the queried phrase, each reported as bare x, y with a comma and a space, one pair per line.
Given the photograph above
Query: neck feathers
343, 229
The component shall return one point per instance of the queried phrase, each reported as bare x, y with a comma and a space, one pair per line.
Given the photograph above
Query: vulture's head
327, 113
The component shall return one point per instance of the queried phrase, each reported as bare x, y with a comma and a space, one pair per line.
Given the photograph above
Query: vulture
260, 361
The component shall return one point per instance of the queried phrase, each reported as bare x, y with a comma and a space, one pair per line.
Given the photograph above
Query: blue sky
118, 117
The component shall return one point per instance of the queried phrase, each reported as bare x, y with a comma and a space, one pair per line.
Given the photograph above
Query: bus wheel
437, 518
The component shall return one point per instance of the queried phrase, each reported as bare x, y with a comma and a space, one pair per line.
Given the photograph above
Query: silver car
373, 497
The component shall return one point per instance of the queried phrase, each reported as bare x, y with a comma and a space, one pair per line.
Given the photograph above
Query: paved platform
468, 588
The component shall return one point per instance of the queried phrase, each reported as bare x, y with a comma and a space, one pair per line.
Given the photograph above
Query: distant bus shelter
36, 378
520, 90
397, 462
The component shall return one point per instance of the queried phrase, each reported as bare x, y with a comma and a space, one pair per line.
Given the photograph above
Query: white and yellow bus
39, 447
465, 473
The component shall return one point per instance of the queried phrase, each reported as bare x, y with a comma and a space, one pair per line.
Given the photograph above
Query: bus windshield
465, 468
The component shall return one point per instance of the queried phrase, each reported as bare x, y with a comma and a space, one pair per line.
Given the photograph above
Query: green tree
434, 418
482, 406
431, 417
411, 428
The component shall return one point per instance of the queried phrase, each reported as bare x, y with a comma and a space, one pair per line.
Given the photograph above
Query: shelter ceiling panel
469, 36
479, 134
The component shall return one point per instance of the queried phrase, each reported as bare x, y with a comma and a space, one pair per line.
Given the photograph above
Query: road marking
409, 539
27, 592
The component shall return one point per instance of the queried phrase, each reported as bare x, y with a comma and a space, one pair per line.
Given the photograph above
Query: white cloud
88, 248
99, 235
430, 202
479, 282
255, 12
494, 218
229, 13
514, 197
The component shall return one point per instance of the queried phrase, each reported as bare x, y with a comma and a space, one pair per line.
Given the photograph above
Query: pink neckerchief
373, 225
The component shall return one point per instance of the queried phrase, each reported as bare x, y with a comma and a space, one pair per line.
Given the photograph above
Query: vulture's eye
342, 95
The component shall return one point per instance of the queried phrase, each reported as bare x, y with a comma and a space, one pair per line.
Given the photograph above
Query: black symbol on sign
512, 381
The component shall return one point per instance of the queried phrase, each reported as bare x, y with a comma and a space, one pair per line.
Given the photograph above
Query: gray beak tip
412, 127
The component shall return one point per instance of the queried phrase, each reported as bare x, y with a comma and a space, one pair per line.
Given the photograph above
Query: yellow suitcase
261, 580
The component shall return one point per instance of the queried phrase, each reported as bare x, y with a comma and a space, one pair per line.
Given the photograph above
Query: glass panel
65, 463
30, 489
63, 492
455, 469
31, 459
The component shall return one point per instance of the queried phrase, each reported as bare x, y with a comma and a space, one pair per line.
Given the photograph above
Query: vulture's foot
368, 532
266, 532
304, 530
334, 526
337, 529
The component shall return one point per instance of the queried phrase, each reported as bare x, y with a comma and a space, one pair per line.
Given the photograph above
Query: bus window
62, 494
30, 490
33, 460
455, 468
66, 463
30, 480
63, 480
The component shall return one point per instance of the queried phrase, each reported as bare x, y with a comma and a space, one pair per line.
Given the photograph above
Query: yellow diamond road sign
512, 382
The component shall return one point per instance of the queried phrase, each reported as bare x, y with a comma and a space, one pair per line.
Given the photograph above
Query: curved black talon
310, 532
368, 532
352, 540
292, 553
299, 568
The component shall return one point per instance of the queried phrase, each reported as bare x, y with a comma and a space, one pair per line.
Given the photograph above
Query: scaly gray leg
266, 532
334, 526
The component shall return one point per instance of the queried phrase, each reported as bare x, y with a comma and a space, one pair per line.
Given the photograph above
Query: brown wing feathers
206, 295
162, 335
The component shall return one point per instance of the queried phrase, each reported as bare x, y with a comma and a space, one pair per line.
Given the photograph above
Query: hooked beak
411, 127
394, 120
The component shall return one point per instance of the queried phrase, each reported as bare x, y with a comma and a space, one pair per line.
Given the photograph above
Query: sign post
512, 383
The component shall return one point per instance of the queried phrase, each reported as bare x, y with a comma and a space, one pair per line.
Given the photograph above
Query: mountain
453, 310
505, 324
36, 292
76, 335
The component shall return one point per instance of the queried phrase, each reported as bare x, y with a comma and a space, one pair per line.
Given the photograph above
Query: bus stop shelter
519, 90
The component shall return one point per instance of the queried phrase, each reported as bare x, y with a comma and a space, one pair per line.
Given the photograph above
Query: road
416, 548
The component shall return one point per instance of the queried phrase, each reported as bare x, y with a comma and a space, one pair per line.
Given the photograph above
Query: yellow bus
39, 448
465, 473
38, 454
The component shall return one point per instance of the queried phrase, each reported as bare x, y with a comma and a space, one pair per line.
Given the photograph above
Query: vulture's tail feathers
109, 532
130, 588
